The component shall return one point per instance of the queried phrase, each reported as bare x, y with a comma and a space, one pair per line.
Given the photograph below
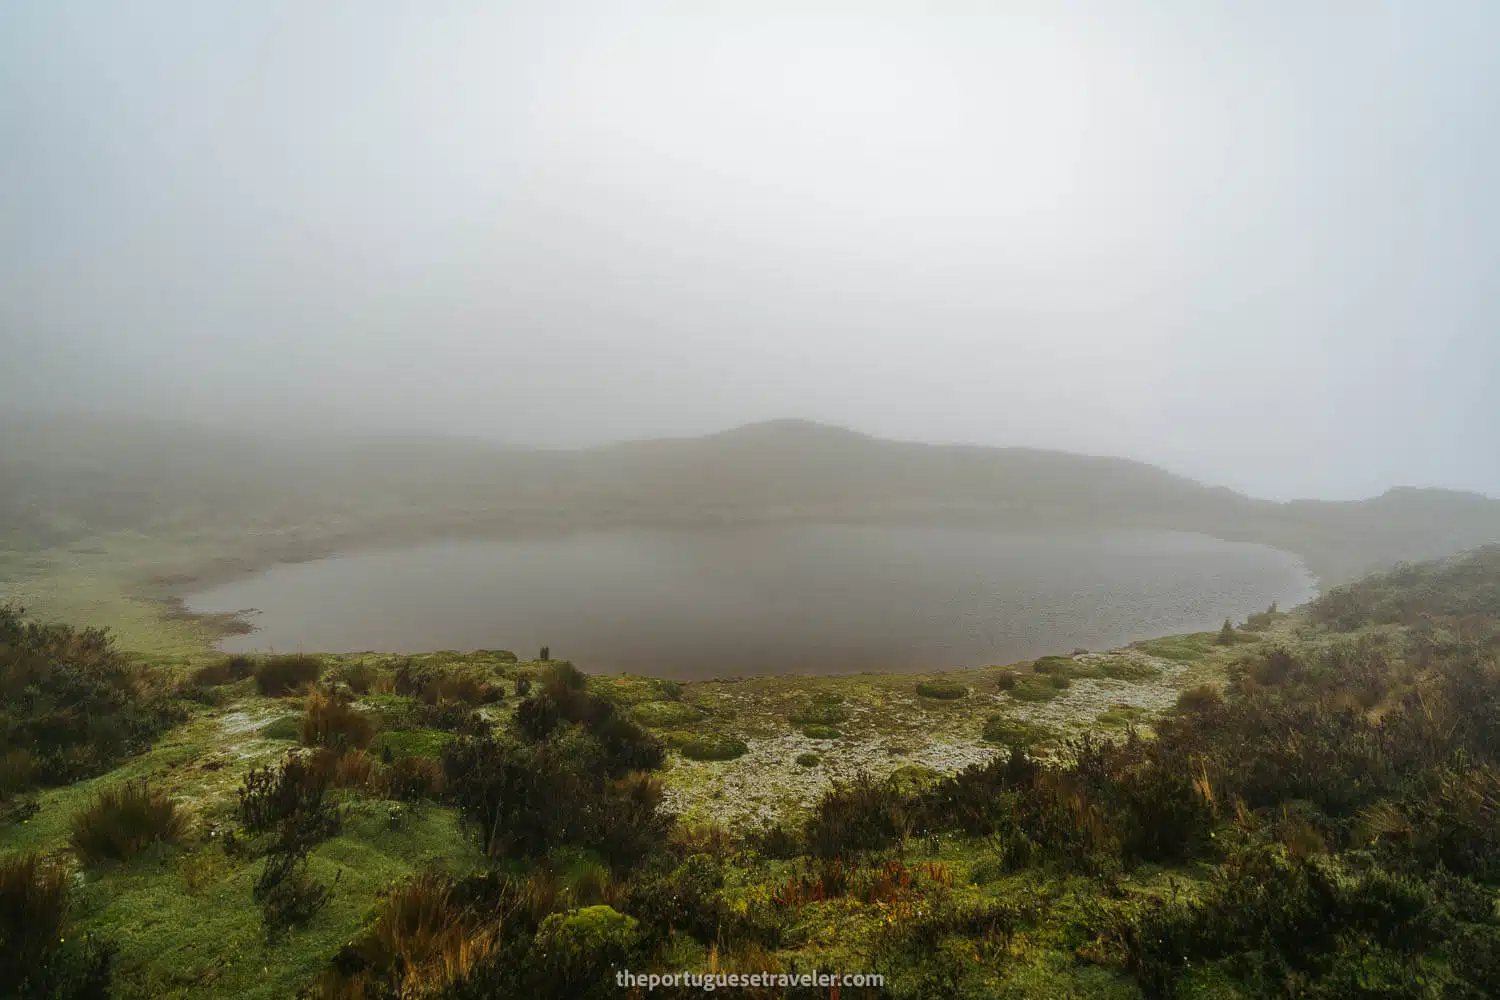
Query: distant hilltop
69, 479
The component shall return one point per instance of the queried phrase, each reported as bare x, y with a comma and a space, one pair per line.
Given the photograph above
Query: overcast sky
1257, 243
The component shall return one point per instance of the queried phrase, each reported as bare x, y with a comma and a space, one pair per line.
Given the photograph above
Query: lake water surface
811, 599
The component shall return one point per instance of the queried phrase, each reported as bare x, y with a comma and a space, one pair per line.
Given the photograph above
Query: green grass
666, 714
411, 742
188, 928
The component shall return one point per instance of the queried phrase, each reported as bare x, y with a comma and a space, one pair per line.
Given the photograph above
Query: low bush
290, 800
1201, 700
575, 954
38, 958
1005, 680
526, 799
33, 904
943, 690
412, 778
860, 815
808, 759
288, 896
281, 675
71, 702
225, 671
821, 732
123, 821
328, 721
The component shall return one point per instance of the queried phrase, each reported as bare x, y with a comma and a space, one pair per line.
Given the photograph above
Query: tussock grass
123, 821
281, 675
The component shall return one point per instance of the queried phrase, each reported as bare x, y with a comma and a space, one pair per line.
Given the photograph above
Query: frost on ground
767, 784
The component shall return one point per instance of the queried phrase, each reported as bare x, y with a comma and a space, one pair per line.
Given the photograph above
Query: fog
1254, 243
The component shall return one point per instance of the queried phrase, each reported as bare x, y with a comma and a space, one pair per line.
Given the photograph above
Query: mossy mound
943, 690
1004, 730
821, 732
809, 759
700, 746
1034, 689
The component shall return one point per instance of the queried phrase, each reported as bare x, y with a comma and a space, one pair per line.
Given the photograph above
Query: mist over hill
63, 480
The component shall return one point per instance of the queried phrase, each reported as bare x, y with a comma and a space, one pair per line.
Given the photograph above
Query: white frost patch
239, 723
767, 782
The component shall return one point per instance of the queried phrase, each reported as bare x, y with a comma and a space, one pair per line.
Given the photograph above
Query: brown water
812, 599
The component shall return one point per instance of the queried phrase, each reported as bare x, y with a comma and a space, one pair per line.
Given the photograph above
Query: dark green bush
821, 732
70, 704
860, 815
943, 690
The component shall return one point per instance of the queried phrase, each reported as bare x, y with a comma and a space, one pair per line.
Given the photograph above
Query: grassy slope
187, 928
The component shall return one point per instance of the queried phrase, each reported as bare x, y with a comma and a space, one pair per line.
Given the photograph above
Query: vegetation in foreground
1317, 815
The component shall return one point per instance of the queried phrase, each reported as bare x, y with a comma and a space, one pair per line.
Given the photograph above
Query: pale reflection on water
814, 599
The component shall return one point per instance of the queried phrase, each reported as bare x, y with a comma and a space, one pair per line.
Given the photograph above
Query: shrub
37, 958
710, 747
330, 722
212, 675
280, 675
72, 702
1226, 634
575, 954
361, 677
411, 778
1201, 700
526, 799
859, 815
808, 759
123, 821
33, 903
291, 799
821, 732
943, 690
349, 769
423, 940
288, 896
1060, 681
1006, 680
